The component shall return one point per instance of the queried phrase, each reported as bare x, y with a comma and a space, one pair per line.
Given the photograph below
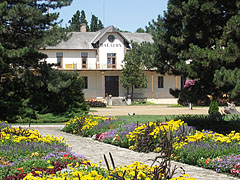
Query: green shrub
44, 90
213, 108
222, 124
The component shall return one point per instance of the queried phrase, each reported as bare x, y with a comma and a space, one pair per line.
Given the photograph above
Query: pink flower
102, 136
189, 83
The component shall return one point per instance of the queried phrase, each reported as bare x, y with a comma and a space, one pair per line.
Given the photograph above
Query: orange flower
207, 161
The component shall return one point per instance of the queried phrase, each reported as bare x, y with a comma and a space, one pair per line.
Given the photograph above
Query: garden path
150, 110
94, 150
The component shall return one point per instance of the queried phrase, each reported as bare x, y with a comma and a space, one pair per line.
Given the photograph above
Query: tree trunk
132, 94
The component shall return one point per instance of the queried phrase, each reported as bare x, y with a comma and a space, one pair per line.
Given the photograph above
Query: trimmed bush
213, 108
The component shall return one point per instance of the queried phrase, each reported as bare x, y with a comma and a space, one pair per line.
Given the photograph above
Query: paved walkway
94, 151
150, 110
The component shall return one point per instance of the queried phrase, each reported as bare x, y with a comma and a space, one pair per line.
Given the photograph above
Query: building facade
98, 57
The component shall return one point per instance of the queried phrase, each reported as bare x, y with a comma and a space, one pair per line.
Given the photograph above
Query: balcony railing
71, 66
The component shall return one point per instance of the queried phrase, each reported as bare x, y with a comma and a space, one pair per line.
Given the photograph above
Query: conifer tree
96, 24
205, 33
76, 21
25, 27
140, 30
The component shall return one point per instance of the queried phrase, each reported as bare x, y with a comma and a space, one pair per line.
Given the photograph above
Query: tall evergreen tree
25, 27
140, 30
96, 24
206, 33
76, 21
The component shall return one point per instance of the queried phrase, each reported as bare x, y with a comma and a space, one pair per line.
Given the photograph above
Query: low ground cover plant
205, 148
41, 158
95, 103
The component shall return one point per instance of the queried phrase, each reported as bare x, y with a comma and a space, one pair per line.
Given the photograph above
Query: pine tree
76, 21
206, 33
83, 20
140, 30
25, 27
100, 25
96, 24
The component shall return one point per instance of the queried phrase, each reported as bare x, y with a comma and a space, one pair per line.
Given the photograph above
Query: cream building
98, 57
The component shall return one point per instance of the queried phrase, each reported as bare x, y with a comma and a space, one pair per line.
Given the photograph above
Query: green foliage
193, 95
142, 103
96, 24
222, 124
213, 108
133, 70
76, 21
79, 18
206, 32
25, 27
140, 30
45, 90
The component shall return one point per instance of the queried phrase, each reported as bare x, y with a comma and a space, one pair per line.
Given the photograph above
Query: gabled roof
109, 29
84, 40
78, 40
138, 37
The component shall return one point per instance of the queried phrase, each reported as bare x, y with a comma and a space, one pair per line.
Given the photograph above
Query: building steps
118, 101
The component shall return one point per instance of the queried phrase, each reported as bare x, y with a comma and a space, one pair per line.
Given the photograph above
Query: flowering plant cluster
50, 158
203, 148
95, 103
84, 125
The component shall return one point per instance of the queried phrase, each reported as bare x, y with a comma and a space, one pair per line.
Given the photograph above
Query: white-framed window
111, 60
84, 56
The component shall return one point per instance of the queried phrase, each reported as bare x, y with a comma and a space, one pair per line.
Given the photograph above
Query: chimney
83, 27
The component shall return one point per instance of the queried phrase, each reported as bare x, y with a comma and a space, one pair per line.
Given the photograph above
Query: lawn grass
145, 118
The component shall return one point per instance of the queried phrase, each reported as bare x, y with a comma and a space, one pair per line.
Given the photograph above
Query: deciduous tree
133, 70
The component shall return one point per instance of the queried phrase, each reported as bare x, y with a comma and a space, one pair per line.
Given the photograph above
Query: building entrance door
112, 85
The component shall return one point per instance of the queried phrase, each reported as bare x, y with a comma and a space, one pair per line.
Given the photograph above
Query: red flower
110, 127
65, 155
207, 161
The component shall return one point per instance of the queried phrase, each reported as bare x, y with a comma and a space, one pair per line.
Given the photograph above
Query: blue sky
126, 15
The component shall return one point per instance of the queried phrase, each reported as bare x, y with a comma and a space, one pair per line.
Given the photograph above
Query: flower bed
25, 154
203, 148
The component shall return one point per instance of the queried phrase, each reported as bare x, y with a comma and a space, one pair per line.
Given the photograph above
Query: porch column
152, 84
103, 95
176, 82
